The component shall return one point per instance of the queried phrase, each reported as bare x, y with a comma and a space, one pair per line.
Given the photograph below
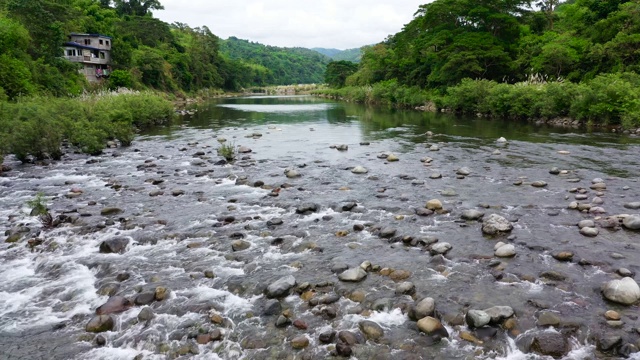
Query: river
205, 241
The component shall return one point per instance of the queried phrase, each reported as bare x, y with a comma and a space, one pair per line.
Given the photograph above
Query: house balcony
87, 60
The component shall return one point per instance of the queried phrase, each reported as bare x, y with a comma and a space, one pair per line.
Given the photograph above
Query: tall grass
37, 126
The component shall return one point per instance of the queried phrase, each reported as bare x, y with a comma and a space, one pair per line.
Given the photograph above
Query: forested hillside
508, 58
147, 52
280, 66
352, 55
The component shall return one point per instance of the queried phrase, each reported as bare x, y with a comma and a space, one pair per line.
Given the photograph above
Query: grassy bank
608, 99
37, 126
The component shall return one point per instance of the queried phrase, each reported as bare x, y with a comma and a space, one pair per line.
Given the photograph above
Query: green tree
338, 71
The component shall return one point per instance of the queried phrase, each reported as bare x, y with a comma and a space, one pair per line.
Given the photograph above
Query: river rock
300, 342
359, 170
501, 140
240, 245
244, 150
499, 313
550, 344
387, 233
539, 184
111, 211
405, 288
432, 326
145, 298
477, 318
435, 176
371, 329
145, 314
548, 318
116, 245
590, 231
100, 323
632, 205
598, 186
586, 223
115, 304
495, 224
426, 307
281, 287
292, 173
504, 250
392, 158
624, 291
464, 171
434, 204
307, 208
440, 248
632, 222
353, 275
472, 215
434, 148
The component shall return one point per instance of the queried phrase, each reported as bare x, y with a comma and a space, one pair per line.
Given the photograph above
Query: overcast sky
341, 24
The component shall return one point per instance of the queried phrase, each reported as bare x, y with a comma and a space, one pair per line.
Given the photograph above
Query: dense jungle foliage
39, 89
513, 58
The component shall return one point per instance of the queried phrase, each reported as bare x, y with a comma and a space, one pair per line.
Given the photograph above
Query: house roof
80, 46
90, 35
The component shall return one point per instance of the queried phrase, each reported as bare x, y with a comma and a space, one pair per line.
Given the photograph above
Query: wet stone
100, 323
548, 318
353, 275
145, 298
371, 329
281, 287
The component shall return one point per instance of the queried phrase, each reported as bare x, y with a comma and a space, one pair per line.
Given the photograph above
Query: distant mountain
352, 55
285, 66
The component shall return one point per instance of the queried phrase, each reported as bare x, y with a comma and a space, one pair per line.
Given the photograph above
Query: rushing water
50, 288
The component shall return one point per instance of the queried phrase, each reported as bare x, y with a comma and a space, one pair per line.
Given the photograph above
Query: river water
181, 211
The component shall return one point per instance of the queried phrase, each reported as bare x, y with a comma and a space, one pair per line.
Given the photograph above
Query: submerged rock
359, 170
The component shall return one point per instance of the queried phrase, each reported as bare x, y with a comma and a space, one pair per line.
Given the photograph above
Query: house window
102, 56
87, 41
71, 52
101, 42
107, 42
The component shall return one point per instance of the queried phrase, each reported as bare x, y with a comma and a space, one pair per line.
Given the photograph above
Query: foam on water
233, 304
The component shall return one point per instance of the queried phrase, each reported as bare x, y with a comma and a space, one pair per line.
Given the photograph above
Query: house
93, 51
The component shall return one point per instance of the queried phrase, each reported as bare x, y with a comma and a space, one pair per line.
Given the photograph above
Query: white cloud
323, 23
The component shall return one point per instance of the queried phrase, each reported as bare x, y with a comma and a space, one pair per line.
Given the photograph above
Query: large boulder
624, 291
632, 222
115, 304
477, 318
281, 287
116, 245
432, 327
496, 224
550, 344
100, 323
371, 329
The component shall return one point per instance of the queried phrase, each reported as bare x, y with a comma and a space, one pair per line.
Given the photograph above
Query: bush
120, 79
227, 151
37, 126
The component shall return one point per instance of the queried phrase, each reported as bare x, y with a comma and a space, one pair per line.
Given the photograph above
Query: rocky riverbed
324, 241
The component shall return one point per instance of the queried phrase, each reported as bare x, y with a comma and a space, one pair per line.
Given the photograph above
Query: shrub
227, 151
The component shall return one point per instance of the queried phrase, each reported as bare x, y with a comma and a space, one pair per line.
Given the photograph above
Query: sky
340, 24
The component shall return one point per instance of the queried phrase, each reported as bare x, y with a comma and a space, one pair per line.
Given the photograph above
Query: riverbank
36, 128
609, 100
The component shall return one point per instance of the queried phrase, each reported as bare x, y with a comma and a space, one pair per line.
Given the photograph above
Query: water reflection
379, 123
